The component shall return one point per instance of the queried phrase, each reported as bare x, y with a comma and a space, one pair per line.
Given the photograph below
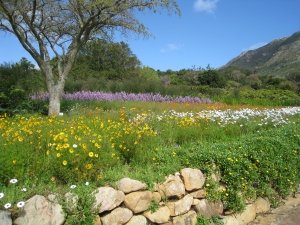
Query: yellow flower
65, 162
91, 154
88, 166
71, 150
66, 145
58, 155
14, 161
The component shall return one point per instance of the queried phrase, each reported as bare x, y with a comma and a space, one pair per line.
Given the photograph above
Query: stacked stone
180, 199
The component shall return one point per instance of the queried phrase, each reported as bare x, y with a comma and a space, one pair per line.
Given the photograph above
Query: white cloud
170, 48
208, 6
255, 46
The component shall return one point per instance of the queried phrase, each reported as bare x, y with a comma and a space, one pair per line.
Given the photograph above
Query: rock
108, 198
167, 223
156, 197
262, 205
209, 209
137, 220
230, 220
181, 206
247, 215
128, 185
97, 221
71, 200
189, 218
196, 201
162, 215
53, 198
118, 216
174, 187
138, 201
198, 194
193, 179
39, 211
5, 218
216, 177
160, 188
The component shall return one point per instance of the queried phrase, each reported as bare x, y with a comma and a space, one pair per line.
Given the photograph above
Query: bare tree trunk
54, 101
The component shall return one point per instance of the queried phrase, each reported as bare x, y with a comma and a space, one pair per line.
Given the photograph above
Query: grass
102, 143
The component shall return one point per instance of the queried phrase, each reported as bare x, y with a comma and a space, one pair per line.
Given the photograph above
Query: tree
114, 60
56, 28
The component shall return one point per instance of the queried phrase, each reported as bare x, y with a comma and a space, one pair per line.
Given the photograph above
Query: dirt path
287, 214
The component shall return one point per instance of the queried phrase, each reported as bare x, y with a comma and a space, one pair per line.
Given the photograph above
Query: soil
287, 214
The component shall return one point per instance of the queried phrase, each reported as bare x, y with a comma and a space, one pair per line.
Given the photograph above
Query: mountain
280, 57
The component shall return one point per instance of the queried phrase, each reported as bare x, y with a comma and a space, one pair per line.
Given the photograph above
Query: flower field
249, 147
123, 96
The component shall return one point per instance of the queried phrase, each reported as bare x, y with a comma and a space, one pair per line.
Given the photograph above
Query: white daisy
61, 114
1, 195
87, 183
75, 146
20, 204
13, 181
73, 186
7, 205
24, 189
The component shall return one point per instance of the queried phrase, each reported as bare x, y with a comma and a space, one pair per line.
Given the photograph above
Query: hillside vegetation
280, 57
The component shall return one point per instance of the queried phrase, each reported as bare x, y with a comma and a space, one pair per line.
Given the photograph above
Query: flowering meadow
257, 151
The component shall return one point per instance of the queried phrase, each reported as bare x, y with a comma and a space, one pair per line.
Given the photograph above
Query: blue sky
208, 32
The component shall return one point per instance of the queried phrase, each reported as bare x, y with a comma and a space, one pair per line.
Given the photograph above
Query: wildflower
87, 183
75, 146
73, 186
7, 205
65, 162
88, 166
24, 189
71, 150
13, 181
61, 114
91, 154
1, 195
14, 161
20, 204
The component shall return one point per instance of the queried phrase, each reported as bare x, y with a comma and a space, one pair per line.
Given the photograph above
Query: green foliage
201, 220
211, 78
154, 206
79, 206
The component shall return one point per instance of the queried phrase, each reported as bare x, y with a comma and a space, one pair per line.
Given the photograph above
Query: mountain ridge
280, 57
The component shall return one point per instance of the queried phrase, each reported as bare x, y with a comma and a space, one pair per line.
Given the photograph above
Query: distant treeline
112, 67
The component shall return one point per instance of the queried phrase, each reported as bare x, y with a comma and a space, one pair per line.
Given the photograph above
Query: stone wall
176, 201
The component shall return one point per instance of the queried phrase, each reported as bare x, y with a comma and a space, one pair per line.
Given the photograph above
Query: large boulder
39, 211
189, 218
5, 218
137, 220
138, 201
198, 194
162, 215
128, 185
181, 206
108, 198
208, 209
230, 220
243, 218
247, 215
262, 205
118, 216
193, 179
174, 187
